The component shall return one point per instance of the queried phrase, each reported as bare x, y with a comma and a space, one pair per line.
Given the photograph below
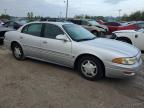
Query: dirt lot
34, 84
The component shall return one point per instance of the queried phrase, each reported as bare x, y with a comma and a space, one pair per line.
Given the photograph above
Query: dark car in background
13, 24
3, 30
9, 26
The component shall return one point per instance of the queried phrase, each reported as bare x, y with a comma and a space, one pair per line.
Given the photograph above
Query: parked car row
115, 26
73, 46
91, 25
1, 23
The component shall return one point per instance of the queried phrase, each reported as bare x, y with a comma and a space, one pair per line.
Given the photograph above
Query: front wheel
91, 68
17, 51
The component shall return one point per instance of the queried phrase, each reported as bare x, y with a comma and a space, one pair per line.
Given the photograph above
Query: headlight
125, 61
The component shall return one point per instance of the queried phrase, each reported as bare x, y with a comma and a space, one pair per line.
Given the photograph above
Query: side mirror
62, 37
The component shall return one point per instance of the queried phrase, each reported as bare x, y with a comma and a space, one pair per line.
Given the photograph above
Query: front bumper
119, 71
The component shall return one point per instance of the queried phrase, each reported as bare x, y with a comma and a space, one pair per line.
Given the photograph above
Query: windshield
93, 22
140, 30
78, 33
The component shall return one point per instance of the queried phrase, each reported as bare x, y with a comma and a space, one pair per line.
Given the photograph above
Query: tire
126, 40
17, 51
91, 68
95, 33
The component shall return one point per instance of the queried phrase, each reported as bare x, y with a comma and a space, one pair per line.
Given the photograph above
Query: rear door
31, 38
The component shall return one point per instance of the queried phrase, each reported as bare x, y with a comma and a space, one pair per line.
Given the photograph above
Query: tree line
135, 16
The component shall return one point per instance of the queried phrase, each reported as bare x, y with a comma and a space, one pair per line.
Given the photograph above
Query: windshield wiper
86, 39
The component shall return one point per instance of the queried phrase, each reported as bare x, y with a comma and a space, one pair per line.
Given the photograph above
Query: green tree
3, 16
79, 16
135, 16
30, 16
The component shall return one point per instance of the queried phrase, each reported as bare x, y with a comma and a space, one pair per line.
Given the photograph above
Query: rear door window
33, 29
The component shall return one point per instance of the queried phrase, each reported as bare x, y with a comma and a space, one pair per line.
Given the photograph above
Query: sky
55, 8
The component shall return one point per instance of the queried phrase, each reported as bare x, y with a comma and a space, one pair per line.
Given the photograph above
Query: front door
53, 50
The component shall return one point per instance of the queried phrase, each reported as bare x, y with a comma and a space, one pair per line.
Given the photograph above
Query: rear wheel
17, 51
91, 68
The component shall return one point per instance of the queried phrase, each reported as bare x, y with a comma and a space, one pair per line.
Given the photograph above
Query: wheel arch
14, 42
87, 54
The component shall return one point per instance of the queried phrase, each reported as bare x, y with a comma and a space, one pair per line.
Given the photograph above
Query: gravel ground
35, 84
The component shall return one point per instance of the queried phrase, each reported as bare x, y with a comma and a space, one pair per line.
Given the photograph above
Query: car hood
114, 46
125, 31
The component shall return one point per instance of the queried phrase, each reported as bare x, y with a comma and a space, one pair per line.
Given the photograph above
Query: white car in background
135, 37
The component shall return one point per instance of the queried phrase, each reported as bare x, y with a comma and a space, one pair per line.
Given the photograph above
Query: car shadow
67, 69
55, 66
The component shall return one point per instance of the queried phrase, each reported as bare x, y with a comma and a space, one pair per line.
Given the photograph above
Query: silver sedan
71, 45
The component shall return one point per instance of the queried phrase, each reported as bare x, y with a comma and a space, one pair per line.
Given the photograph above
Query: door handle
44, 42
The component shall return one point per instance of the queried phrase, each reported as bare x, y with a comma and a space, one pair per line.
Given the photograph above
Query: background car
112, 23
117, 26
13, 24
98, 31
3, 30
129, 27
135, 37
94, 23
1, 23
9, 26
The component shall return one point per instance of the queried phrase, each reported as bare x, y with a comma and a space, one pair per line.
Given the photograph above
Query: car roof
82, 19
50, 22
